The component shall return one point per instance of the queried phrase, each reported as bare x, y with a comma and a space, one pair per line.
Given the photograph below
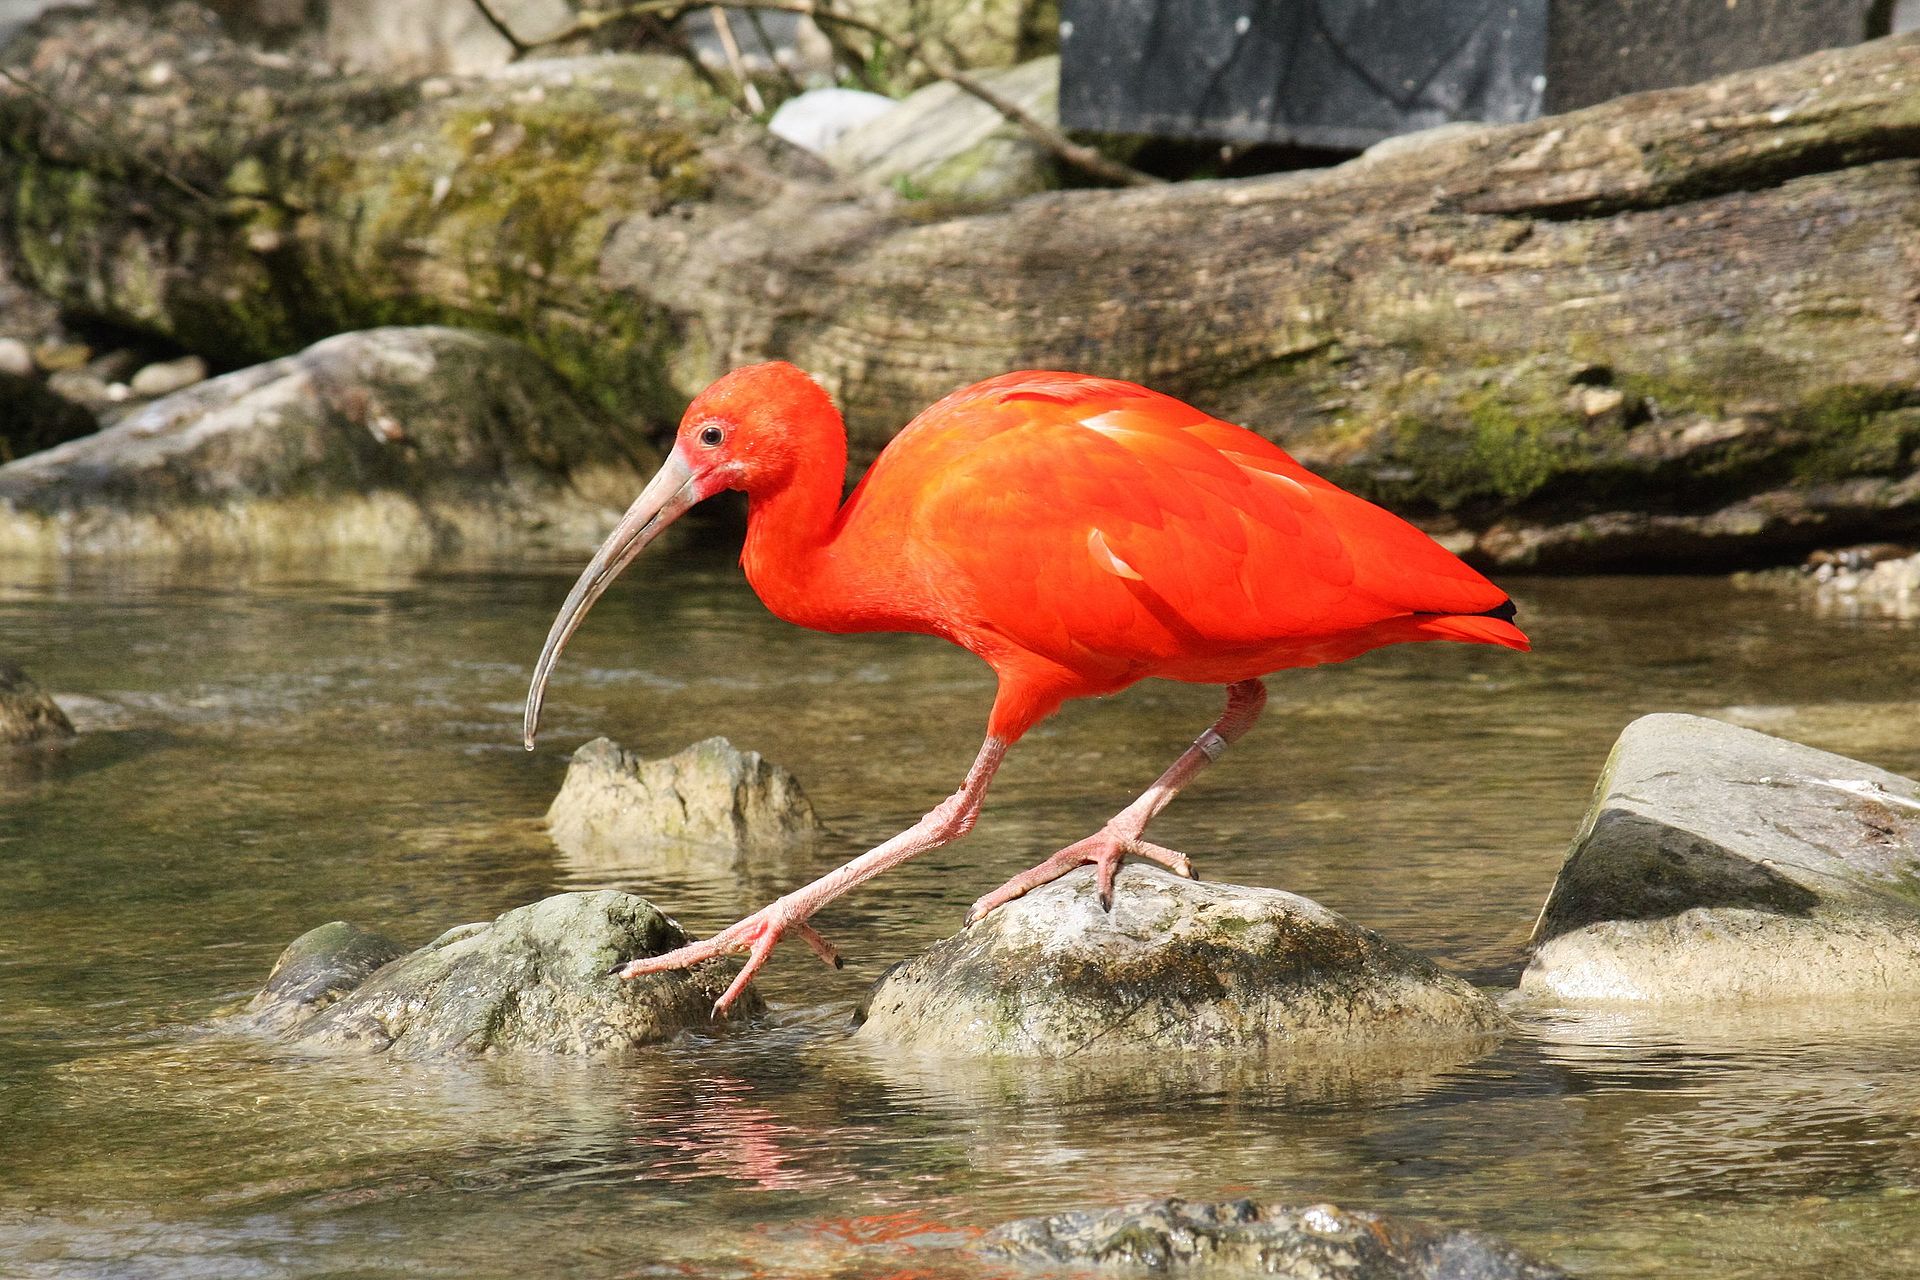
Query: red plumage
1078, 534
1082, 533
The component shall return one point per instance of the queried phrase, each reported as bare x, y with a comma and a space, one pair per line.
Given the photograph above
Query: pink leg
757, 934
1121, 836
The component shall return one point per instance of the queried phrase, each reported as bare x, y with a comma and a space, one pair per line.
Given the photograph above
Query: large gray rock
1316, 1242
414, 439
945, 143
26, 713
1176, 965
536, 980
1720, 864
710, 801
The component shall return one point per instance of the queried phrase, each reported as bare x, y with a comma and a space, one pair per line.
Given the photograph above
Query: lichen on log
1676, 328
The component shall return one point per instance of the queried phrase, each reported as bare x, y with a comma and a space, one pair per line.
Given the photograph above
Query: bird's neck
791, 529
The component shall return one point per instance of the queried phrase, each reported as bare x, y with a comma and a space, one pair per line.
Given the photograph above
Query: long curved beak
666, 497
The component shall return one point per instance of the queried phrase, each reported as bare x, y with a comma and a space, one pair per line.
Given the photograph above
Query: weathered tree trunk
1672, 329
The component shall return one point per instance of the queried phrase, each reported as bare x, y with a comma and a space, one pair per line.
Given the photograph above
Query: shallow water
274, 750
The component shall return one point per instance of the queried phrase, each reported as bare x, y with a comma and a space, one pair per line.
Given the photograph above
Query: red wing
1080, 517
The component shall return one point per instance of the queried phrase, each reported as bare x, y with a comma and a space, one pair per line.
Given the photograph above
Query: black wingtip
1506, 611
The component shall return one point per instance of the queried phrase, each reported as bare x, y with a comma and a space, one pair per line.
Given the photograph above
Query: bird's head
748, 431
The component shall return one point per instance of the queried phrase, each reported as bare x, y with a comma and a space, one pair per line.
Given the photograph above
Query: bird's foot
756, 936
1104, 849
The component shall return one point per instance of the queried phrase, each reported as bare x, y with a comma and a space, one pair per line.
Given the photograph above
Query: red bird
1078, 534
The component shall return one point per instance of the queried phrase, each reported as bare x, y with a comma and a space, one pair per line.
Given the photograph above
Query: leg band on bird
1123, 833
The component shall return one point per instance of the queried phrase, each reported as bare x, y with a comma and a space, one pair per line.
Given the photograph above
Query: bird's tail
1477, 628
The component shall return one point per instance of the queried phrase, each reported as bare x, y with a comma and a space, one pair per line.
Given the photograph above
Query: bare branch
735, 61
499, 25
126, 150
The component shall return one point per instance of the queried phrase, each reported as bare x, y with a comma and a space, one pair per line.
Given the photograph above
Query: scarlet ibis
1078, 534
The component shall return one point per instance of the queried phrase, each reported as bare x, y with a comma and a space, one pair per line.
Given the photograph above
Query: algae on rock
1175, 965
536, 979
1518, 334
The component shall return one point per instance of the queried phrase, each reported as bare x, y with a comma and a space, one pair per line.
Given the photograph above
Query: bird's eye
711, 436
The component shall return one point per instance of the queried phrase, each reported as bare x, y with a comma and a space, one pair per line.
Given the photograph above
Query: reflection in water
273, 751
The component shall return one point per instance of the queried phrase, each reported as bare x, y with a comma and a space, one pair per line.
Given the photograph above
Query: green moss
1497, 448
1858, 430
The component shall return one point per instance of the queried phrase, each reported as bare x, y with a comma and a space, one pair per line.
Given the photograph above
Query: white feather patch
1104, 557
1111, 424
1288, 483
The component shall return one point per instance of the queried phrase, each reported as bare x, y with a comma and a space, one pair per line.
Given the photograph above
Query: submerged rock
317, 969
1315, 1242
1873, 579
535, 980
1717, 863
945, 143
721, 800
1177, 964
26, 713
402, 438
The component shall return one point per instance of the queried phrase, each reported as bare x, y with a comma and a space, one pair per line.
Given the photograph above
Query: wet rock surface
403, 438
317, 969
1177, 964
535, 980
1721, 864
615, 806
27, 714
1875, 579
1315, 1242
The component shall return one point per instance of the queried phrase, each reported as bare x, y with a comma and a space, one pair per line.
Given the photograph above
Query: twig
1086, 159
126, 150
499, 24
773, 55
736, 63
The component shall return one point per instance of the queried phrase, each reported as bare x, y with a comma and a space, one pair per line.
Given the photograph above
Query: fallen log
1676, 329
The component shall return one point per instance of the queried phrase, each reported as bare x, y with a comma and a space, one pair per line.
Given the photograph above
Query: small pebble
54, 356
1597, 402
168, 376
16, 358
78, 386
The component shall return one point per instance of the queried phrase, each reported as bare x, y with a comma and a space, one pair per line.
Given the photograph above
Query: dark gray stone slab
1324, 73
1347, 73
1600, 49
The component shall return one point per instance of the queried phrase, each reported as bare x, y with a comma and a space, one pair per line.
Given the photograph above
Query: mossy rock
536, 980
1176, 965
28, 715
